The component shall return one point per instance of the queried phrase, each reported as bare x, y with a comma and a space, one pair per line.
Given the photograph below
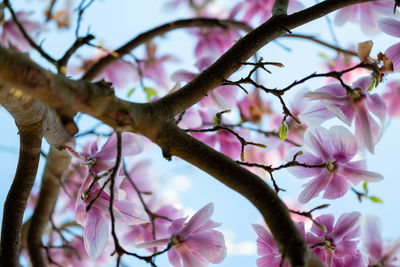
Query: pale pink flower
261, 8
358, 104
213, 43
335, 148
365, 14
267, 248
144, 232
11, 35
102, 159
121, 74
224, 97
223, 141
342, 62
392, 27
152, 66
194, 244
379, 252
392, 98
337, 246
96, 222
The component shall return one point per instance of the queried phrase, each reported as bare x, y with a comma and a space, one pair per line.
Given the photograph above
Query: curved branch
175, 141
17, 197
56, 164
315, 40
160, 30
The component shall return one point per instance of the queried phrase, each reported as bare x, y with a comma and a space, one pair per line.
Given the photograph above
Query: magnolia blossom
336, 245
103, 159
392, 98
11, 35
95, 219
261, 8
392, 27
224, 97
194, 244
380, 254
357, 104
267, 248
365, 14
223, 141
333, 149
213, 42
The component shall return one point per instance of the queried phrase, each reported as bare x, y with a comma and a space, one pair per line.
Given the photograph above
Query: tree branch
100, 65
17, 197
57, 162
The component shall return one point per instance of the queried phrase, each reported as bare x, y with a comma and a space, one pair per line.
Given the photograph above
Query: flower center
330, 166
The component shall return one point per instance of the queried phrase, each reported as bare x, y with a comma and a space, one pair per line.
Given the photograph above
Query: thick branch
176, 142
56, 164
100, 65
14, 207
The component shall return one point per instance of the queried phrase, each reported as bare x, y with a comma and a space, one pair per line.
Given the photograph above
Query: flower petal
371, 236
199, 218
393, 52
338, 187
390, 26
346, 223
95, 232
313, 188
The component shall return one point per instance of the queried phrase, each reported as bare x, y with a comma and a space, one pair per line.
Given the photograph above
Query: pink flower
11, 35
337, 246
194, 244
380, 254
357, 103
224, 97
103, 159
96, 220
392, 98
392, 27
335, 148
267, 248
152, 66
261, 8
213, 42
365, 14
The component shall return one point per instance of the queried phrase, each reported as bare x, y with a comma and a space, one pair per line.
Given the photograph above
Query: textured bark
17, 197
56, 163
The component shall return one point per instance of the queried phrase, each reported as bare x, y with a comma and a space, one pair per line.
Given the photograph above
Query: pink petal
319, 141
131, 144
356, 174
191, 119
183, 75
393, 53
308, 158
95, 233
378, 107
344, 14
371, 237
338, 112
346, 223
316, 185
326, 220
365, 127
174, 258
390, 26
344, 144
338, 187
315, 114
130, 213
153, 244
190, 258
210, 245
199, 218
266, 236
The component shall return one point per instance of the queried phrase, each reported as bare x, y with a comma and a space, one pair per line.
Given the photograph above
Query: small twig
26, 35
49, 11
81, 10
